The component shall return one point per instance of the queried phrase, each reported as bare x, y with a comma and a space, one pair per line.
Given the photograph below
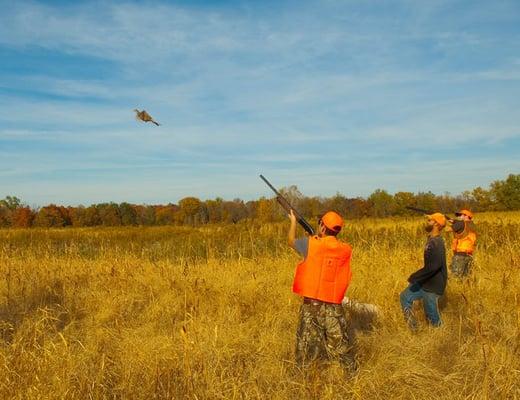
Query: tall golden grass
207, 313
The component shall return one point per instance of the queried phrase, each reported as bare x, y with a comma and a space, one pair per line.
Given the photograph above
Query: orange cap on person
467, 213
439, 218
333, 221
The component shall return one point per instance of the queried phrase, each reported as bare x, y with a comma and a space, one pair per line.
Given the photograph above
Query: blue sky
333, 96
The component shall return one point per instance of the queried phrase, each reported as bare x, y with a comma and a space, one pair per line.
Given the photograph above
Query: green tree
11, 202
128, 214
506, 194
426, 200
401, 201
381, 203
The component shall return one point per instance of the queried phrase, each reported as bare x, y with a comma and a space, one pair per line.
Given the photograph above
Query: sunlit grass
140, 313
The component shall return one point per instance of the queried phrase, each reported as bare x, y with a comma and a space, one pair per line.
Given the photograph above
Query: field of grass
208, 313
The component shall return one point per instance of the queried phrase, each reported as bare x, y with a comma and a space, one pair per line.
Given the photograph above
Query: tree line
502, 195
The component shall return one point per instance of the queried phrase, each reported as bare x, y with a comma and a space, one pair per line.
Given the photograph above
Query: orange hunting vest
325, 273
464, 244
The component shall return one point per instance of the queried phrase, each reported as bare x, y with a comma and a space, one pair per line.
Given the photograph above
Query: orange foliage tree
22, 217
52, 216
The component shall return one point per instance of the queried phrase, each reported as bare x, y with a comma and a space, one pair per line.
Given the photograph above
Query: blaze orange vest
325, 273
464, 244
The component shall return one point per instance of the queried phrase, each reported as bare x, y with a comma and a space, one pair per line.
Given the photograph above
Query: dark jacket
434, 275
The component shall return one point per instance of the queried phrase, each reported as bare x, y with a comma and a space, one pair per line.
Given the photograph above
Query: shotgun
287, 207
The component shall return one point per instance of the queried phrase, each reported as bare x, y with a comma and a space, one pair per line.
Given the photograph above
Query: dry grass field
208, 313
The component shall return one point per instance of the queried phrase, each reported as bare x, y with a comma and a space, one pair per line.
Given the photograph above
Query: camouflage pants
461, 265
322, 334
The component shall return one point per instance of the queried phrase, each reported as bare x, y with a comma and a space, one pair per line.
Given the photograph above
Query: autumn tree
145, 215
338, 203
166, 215
91, 216
501, 195
310, 207
265, 211
77, 216
449, 204
8, 206
109, 214
251, 209
22, 217
52, 216
215, 209
234, 211
5, 216
190, 210
358, 208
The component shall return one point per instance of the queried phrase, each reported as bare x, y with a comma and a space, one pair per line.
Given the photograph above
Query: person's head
330, 224
464, 215
435, 223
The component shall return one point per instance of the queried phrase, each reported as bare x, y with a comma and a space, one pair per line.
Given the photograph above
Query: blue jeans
429, 299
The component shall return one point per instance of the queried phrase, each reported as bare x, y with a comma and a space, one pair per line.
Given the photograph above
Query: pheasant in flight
144, 116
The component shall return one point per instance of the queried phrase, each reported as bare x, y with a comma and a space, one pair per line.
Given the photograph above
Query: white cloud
252, 90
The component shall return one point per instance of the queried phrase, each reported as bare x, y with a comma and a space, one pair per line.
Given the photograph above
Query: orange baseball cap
467, 213
438, 217
332, 221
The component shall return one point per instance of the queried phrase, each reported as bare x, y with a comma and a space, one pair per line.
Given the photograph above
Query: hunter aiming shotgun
427, 212
457, 226
287, 207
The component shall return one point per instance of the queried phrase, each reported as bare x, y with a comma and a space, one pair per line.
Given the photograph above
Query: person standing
463, 245
322, 278
429, 282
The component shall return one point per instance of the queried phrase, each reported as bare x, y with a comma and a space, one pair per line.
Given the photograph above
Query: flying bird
144, 116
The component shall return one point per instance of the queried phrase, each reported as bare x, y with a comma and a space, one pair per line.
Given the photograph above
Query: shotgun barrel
288, 207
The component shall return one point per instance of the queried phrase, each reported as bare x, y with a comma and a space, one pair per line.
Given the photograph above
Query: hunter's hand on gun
292, 230
292, 217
